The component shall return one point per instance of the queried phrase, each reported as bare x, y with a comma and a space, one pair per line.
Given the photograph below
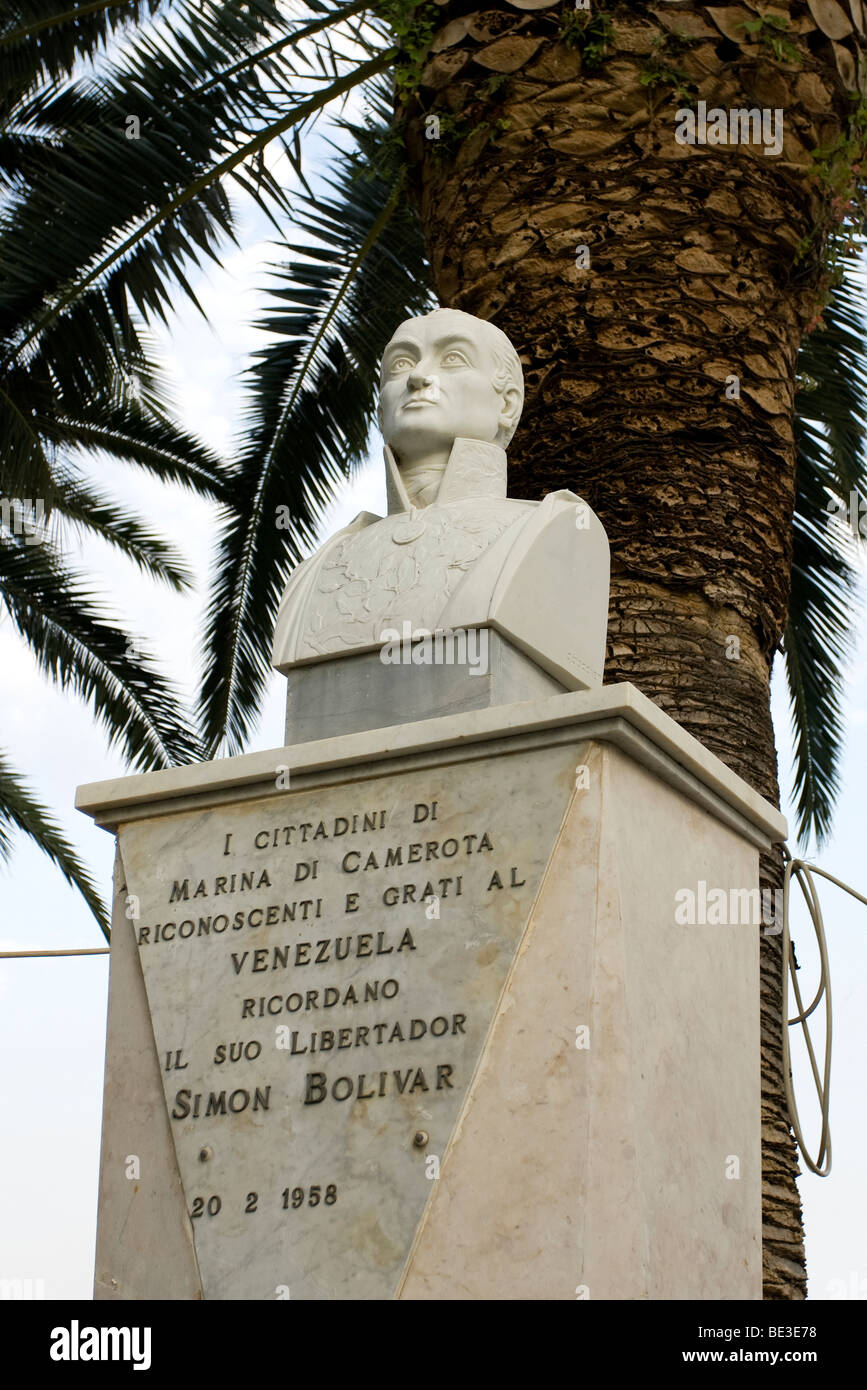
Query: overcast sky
53, 1012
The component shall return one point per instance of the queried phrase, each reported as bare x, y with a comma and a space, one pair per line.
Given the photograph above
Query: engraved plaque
322, 969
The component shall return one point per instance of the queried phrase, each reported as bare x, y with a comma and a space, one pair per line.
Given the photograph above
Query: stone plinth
419, 1013
347, 694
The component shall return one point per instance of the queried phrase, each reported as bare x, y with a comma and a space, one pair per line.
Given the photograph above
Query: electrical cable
88, 951
803, 872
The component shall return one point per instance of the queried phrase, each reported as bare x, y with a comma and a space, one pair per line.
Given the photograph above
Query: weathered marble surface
144, 1244
495, 823
560, 1167
605, 1171
616, 714
332, 698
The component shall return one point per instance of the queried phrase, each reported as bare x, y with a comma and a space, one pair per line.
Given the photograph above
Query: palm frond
43, 40
91, 512
831, 477
156, 201
133, 434
311, 406
20, 810
60, 620
25, 469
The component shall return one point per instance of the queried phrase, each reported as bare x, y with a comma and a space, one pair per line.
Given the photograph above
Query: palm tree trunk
660, 360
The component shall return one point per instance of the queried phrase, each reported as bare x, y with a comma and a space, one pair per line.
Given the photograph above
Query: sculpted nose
418, 378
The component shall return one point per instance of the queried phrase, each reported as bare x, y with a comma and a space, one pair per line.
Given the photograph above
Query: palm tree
82, 385
706, 270
700, 379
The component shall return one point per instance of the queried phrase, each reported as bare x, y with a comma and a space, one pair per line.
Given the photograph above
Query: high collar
474, 469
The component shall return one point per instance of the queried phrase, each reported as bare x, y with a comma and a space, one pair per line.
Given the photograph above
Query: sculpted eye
401, 364
454, 358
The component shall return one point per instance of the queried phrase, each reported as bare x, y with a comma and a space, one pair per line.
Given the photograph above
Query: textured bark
691, 281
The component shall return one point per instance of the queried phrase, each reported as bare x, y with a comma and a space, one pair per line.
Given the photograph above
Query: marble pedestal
345, 695
418, 1013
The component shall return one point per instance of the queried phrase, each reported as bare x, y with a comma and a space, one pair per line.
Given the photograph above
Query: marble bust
454, 552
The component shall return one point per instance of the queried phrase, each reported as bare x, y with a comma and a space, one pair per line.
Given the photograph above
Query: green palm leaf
138, 434
819, 639
90, 511
20, 810
41, 40
158, 200
312, 399
59, 618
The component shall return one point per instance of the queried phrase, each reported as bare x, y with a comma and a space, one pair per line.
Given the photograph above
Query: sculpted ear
510, 411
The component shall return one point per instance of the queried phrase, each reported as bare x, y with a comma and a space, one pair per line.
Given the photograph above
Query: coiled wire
803, 872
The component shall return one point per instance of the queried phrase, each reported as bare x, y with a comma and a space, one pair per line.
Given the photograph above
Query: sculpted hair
509, 374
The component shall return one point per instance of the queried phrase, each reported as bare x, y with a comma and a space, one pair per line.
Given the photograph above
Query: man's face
436, 386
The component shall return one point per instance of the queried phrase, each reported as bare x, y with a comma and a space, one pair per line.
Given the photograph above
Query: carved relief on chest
404, 567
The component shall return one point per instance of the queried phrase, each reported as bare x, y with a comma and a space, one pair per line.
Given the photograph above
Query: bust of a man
454, 552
